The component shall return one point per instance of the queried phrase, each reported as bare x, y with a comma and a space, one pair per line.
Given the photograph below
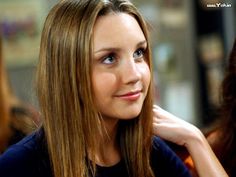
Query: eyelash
143, 50
113, 56
110, 55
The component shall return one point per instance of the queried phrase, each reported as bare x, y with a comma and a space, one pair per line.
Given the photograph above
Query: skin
176, 130
120, 76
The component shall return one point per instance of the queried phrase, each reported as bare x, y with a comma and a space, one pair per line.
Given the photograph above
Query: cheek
146, 74
103, 83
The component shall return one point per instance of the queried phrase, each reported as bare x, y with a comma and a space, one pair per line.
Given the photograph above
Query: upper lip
130, 93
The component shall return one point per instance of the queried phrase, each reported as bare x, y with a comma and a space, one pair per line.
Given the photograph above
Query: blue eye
110, 59
139, 53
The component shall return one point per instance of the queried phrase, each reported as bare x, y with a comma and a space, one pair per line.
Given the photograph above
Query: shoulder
165, 162
213, 136
215, 139
22, 159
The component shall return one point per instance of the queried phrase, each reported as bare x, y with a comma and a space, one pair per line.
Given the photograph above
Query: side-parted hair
70, 119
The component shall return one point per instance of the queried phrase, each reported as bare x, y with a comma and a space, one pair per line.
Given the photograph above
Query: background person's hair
227, 125
4, 104
16, 120
70, 118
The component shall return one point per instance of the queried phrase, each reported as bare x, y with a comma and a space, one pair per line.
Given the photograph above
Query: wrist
195, 139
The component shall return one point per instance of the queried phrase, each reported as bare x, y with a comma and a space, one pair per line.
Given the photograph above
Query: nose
131, 72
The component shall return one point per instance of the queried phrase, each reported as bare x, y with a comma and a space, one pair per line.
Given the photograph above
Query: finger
157, 128
156, 106
156, 120
163, 129
158, 111
162, 114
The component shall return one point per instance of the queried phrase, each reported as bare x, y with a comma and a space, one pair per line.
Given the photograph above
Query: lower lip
132, 97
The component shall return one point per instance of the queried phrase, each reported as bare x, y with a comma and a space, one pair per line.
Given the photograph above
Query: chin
124, 112
130, 115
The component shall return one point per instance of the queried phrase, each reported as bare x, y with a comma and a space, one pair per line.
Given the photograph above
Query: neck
108, 153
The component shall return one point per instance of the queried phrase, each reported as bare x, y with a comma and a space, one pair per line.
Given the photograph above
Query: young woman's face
121, 75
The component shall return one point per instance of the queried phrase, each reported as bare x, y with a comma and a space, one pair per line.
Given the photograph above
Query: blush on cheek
105, 82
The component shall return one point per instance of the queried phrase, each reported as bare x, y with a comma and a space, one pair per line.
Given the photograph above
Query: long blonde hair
70, 119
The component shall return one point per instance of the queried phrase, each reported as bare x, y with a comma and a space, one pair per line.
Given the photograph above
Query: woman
15, 119
95, 94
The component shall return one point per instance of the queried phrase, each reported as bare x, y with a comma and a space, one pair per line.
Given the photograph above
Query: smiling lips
130, 96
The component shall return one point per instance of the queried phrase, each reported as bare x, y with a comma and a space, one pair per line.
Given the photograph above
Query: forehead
117, 27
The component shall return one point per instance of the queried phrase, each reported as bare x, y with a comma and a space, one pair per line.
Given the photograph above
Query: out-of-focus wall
21, 24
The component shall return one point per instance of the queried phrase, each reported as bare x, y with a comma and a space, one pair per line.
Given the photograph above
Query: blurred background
191, 41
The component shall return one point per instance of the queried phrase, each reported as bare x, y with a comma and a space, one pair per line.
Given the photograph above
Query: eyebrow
118, 49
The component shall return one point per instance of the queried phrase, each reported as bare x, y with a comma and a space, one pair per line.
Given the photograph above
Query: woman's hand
171, 128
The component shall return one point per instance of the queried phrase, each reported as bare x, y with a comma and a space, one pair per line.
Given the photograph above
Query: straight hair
70, 119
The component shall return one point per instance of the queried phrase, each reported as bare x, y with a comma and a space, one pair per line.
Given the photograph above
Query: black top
29, 158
